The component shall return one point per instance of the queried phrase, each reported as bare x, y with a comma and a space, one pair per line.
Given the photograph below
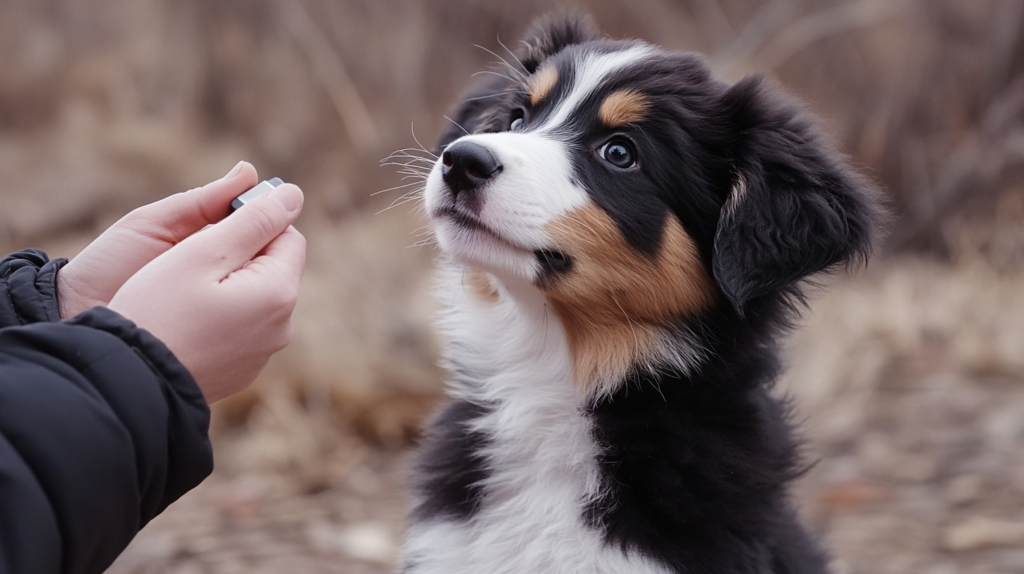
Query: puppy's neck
510, 353
516, 325
504, 336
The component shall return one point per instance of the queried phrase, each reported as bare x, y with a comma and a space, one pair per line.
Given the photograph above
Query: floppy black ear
549, 35
796, 207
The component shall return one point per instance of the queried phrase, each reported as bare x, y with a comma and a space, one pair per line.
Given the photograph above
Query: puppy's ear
796, 207
551, 34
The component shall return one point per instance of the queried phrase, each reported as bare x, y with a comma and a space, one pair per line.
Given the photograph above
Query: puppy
623, 240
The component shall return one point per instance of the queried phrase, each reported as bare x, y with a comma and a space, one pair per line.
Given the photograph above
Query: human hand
94, 275
222, 298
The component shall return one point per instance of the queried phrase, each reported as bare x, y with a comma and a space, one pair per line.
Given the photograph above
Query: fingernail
289, 196
235, 170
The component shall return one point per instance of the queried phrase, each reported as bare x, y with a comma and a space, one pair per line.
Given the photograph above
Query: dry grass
912, 381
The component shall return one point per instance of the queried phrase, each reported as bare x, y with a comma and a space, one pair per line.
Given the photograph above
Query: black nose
466, 166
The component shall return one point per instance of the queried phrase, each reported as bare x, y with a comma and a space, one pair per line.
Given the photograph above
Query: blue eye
619, 153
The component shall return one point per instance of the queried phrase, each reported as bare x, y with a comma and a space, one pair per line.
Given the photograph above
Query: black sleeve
28, 288
100, 429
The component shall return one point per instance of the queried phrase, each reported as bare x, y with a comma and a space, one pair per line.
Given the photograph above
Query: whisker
573, 232
494, 95
412, 149
585, 226
493, 73
457, 125
401, 201
405, 155
414, 174
508, 66
424, 243
409, 161
396, 187
414, 198
413, 170
423, 231
511, 53
413, 167
417, 140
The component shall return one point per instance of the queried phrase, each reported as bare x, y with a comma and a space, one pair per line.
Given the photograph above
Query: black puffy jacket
100, 428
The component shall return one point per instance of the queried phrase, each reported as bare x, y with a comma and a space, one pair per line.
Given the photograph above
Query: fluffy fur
624, 238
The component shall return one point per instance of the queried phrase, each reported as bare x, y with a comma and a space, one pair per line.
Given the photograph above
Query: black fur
449, 466
802, 209
550, 35
697, 465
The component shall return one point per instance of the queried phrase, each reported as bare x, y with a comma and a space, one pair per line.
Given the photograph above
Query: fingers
238, 239
213, 201
287, 252
174, 218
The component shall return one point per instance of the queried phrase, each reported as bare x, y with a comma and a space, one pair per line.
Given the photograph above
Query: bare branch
330, 70
808, 30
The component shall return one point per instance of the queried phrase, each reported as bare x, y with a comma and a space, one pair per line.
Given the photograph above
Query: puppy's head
636, 191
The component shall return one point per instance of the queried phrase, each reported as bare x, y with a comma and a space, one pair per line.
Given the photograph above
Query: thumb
174, 218
238, 238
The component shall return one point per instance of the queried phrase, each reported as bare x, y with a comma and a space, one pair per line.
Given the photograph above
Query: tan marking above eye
623, 107
615, 300
542, 83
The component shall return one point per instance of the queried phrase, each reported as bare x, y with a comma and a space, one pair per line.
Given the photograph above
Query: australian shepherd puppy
623, 239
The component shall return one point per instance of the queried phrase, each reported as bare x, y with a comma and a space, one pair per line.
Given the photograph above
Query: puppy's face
636, 191
571, 180
572, 183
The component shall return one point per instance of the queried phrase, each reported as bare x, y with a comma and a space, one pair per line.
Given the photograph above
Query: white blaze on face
534, 189
590, 73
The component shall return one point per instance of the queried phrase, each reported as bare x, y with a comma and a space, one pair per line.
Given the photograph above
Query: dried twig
810, 29
975, 165
330, 70
765, 24
772, 37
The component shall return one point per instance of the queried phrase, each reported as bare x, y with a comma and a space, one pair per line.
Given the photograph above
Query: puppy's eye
619, 153
517, 120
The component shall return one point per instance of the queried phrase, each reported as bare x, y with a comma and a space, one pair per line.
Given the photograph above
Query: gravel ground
910, 379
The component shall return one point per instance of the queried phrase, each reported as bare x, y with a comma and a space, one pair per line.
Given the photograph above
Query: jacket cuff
28, 288
190, 458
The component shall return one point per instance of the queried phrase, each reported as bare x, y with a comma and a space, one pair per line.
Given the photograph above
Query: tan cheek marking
480, 286
623, 107
542, 83
615, 299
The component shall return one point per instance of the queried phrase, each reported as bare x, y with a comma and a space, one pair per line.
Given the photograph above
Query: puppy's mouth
552, 261
471, 222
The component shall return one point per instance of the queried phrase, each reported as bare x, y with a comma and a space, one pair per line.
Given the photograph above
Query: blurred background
908, 376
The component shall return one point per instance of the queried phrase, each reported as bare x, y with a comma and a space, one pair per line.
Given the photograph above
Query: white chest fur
541, 458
